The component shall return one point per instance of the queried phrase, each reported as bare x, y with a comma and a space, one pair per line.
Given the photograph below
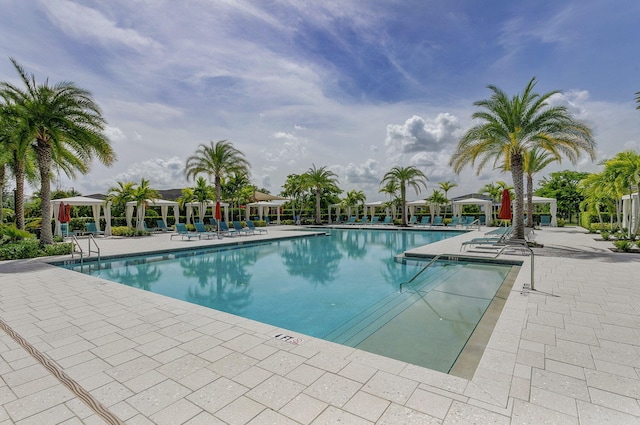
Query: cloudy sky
357, 86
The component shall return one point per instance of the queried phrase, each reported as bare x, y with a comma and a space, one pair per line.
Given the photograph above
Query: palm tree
218, 160
599, 191
405, 177
437, 198
119, 195
319, 180
509, 127
352, 198
294, 187
64, 126
446, 187
16, 157
625, 168
391, 190
141, 194
202, 193
535, 161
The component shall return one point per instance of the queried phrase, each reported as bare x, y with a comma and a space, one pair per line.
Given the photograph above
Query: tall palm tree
319, 180
219, 160
535, 161
141, 194
63, 124
405, 177
509, 127
625, 168
446, 187
17, 157
119, 195
352, 198
437, 198
391, 190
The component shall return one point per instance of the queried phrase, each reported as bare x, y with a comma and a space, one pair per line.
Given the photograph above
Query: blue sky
357, 86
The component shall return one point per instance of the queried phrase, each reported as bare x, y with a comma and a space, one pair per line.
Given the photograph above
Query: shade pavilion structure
631, 212
553, 207
485, 206
83, 201
140, 212
199, 210
263, 208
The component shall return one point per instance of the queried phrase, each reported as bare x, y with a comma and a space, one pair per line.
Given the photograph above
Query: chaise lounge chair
162, 226
92, 229
241, 230
425, 221
437, 221
255, 229
224, 229
388, 220
200, 229
545, 220
181, 230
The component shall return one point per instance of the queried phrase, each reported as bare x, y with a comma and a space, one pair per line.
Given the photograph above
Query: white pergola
631, 212
411, 207
553, 206
201, 208
140, 212
485, 205
263, 206
372, 208
95, 205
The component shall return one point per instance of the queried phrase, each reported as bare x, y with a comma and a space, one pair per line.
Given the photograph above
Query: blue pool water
343, 287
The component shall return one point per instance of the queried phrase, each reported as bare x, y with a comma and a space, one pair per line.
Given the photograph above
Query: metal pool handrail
433, 260
525, 245
77, 243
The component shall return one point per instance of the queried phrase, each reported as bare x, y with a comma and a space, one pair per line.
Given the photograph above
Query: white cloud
365, 173
418, 135
161, 173
288, 148
84, 22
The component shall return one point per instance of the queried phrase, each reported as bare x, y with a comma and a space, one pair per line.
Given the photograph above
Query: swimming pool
343, 287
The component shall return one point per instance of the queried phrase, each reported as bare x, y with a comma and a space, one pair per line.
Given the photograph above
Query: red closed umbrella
505, 206
64, 213
67, 213
218, 214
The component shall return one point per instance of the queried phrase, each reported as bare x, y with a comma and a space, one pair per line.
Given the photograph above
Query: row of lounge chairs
500, 238
222, 230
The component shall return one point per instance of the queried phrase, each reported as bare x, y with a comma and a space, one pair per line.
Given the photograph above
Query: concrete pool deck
81, 350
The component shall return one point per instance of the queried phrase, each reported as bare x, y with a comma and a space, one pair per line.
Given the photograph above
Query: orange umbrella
505, 206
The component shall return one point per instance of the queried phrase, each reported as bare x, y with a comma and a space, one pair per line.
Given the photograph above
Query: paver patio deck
79, 349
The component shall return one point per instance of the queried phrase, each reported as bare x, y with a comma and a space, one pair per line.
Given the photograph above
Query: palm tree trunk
529, 200
43, 151
403, 196
318, 221
518, 186
2, 175
19, 195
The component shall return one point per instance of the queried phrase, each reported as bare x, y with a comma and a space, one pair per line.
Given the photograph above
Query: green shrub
622, 245
30, 248
13, 234
605, 235
260, 223
287, 222
638, 243
123, 231
561, 222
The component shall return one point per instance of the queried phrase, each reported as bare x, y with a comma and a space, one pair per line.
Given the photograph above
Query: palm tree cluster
48, 128
508, 129
125, 192
315, 183
217, 160
603, 192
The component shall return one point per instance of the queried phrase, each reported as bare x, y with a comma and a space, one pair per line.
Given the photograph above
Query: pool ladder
524, 244
433, 260
77, 243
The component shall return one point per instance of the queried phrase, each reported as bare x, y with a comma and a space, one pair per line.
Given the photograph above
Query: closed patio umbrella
505, 206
